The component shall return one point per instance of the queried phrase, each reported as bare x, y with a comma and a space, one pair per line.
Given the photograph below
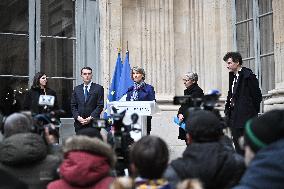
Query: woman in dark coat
140, 91
190, 82
38, 88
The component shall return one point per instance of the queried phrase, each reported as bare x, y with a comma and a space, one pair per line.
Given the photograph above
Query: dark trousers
237, 133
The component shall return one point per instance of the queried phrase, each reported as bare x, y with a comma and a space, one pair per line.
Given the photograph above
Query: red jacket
83, 170
87, 164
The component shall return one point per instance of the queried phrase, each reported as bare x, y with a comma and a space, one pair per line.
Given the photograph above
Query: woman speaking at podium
39, 87
140, 91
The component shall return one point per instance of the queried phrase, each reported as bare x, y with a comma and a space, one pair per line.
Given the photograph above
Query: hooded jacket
266, 169
25, 156
215, 165
87, 164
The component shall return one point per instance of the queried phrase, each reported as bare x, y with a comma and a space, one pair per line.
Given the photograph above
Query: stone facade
169, 38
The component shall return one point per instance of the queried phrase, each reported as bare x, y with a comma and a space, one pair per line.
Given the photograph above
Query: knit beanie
203, 126
264, 130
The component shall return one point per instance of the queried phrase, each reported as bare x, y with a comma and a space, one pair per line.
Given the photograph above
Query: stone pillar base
274, 100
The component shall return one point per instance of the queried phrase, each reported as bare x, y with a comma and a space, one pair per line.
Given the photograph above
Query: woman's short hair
192, 76
139, 70
36, 83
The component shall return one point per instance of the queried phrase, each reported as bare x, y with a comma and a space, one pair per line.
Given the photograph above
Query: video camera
119, 137
49, 119
208, 102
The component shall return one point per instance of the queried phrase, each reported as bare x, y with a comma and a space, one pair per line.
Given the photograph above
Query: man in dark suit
244, 96
87, 101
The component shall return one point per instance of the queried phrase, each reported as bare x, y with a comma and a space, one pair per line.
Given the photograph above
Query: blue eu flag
112, 96
125, 79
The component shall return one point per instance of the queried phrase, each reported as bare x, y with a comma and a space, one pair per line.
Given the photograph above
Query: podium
142, 108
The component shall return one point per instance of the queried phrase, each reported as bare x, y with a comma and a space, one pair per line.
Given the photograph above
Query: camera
50, 119
121, 140
208, 102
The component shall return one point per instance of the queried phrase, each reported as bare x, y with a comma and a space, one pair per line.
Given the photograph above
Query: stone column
148, 29
278, 23
110, 37
275, 99
203, 34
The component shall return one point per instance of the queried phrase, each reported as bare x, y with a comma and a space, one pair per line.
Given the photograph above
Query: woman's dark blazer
146, 93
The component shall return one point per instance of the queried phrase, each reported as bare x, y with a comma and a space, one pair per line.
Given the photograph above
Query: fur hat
203, 126
265, 129
89, 144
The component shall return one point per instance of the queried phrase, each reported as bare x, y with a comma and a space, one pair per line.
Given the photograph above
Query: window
36, 36
254, 39
14, 45
57, 47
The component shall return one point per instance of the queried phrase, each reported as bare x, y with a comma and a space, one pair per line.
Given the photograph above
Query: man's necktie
86, 93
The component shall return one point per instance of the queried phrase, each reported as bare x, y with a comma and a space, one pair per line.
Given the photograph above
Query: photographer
190, 82
24, 154
207, 156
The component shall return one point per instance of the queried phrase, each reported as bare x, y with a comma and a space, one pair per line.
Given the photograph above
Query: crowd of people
249, 158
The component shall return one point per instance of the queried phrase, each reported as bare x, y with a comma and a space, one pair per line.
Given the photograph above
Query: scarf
142, 183
137, 87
